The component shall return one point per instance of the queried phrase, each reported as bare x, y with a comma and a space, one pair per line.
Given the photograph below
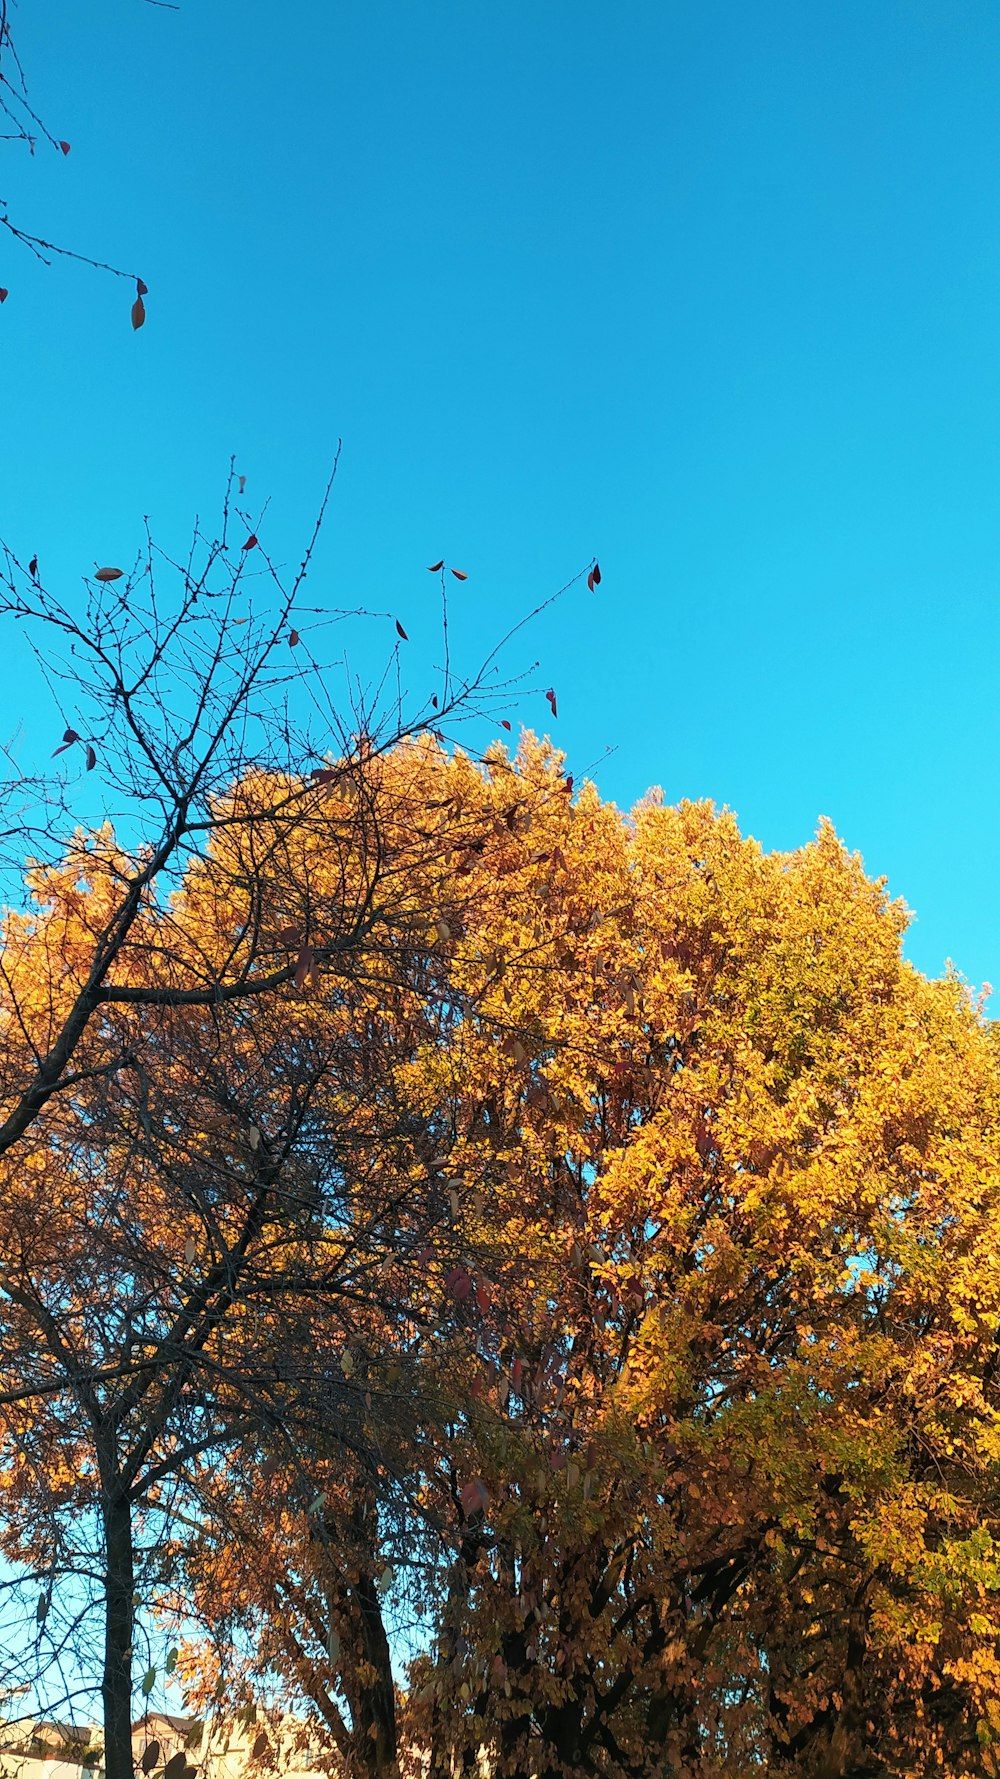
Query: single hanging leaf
69, 736
150, 1756
458, 1284
138, 312
170, 1663
459, 576
474, 1497
261, 1745
148, 1682
175, 1765
65, 146
550, 695
400, 631
190, 1250
434, 701
42, 1608
109, 574
243, 483
91, 758
333, 1646
290, 936
141, 289
293, 639
33, 568
251, 543
4, 293
434, 568
482, 1298
305, 963
504, 724
596, 572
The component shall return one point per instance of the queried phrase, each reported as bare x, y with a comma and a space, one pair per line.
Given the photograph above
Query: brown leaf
4, 293
150, 1756
459, 576
306, 959
261, 1745
323, 774
458, 1284
138, 312
109, 574
290, 936
251, 543
474, 1497
435, 567
91, 758
504, 724
293, 638
483, 1299
550, 695
175, 1765
516, 1374
400, 631
69, 736
65, 147
596, 574
434, 701
33, 568
141, 289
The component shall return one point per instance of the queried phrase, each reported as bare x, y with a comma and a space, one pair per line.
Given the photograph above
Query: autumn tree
207, 1161
715, 1478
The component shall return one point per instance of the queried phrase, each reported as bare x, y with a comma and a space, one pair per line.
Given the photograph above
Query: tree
202, 1148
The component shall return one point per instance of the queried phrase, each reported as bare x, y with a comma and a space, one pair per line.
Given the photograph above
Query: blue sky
707, 289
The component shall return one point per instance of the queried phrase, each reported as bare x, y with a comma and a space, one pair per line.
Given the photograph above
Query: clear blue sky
711, 290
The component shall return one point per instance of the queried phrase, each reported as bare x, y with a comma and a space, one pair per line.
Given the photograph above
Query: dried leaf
400, 631
91, 758
138, 312
596, 574
190, 1249
459, 576
254, 1137
474, 1497
4, 293
109, 574
293, 639
516, 1374
33, 568
260, 1746
141, 289
175, 1766
251, 543
290, 936
550, 695
69, 736
458, 1284
65, 147
42, 1608
150, 1756
504, 724
435, 567
483, 1299
242, 482
305, 963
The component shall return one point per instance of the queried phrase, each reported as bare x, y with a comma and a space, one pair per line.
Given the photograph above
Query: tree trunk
119, 1616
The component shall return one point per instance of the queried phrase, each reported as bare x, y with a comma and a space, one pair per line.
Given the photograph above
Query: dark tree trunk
119, 1618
